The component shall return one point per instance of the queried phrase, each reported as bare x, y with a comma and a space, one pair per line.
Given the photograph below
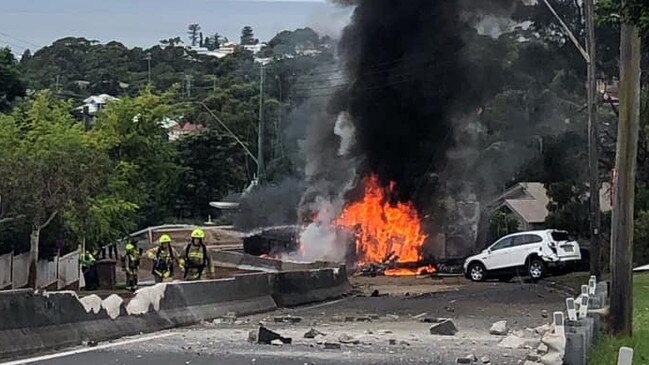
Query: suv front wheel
536, 269
477, 272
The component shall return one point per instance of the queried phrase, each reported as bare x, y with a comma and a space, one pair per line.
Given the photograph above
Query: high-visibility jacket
163, 260
132, 262
196, 255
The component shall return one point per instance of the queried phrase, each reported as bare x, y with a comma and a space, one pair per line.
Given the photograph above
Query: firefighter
196, 258
89, 270
164, 256
131, 265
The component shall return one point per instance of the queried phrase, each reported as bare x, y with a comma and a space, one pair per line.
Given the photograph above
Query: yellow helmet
165, 238
129, 246
198, 233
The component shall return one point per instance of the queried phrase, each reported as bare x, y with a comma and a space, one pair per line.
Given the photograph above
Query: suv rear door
565, 246
524, 245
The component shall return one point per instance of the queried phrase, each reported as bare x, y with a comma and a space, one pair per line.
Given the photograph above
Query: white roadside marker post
584, 289
592, 286
583, 308
572, 311
625, 356
559, 324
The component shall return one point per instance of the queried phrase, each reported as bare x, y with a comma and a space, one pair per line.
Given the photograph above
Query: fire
410, 272
385, 232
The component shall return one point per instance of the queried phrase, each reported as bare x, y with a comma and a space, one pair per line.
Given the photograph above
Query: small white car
533, 252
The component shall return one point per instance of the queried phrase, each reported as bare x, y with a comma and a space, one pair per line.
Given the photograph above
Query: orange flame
383, 230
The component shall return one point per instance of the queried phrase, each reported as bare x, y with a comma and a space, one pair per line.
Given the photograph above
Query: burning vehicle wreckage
376, 237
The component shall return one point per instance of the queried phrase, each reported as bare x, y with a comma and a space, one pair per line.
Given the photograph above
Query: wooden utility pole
625, 166
593, 145
261, 166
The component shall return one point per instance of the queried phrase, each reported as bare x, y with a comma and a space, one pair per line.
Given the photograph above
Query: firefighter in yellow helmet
131, 265
164, 257
196, 257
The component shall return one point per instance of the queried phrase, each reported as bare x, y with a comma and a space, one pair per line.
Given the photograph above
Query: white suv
533, 252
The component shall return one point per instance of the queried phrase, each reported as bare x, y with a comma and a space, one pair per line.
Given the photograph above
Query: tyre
477, 272
536, 269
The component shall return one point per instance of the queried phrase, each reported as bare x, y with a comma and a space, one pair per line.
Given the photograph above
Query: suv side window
503, 243
526, 239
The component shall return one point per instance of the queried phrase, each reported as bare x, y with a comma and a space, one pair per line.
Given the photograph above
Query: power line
20, 40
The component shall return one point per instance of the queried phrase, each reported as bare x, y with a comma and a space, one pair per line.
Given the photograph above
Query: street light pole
588, 54
261, 166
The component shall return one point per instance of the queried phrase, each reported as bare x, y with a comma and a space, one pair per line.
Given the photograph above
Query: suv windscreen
560, 236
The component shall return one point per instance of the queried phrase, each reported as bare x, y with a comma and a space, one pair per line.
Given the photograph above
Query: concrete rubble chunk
541, 330
499, 328
348, 340
556, 349
468, 359
287, 319
392, 317
485, 360
252, 336
313, 333
512, 342
332, 346
374, 316
542, 349
533, 357
444, 328
432, 320
266, 337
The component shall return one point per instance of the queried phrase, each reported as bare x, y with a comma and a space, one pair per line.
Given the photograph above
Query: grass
605, 353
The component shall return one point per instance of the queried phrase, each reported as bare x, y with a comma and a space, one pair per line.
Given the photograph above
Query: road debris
468, 359
348, 340
444, 328
513, 342
485, 360
266, 337
313, 333
332, 346
499, 328
287, 319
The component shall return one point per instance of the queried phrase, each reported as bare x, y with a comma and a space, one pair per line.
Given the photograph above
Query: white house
95, 103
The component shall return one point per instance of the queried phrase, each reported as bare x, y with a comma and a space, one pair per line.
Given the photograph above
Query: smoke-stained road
394, 338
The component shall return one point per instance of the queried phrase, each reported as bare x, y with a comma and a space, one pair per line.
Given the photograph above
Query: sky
36, 23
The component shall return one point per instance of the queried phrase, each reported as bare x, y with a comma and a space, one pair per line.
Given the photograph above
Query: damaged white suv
533, 252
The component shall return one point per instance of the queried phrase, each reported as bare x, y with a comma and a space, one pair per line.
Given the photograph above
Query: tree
130, 131
214, 167
213, 43
248, 36
193, 31
48, 166
11, 84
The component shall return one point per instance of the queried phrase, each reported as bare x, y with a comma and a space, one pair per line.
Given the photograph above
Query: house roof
532, 211
529, 200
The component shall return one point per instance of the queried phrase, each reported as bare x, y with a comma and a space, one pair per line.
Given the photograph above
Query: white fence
69, 269
47, 273
5, 270
20, 270
62, 271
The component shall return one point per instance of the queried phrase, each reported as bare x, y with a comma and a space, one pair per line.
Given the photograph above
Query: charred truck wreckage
389, 181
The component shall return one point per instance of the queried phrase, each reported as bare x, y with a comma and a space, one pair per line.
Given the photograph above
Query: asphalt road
395, 334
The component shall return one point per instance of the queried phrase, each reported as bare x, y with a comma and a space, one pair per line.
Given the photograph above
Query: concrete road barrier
295, 288
37, 321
